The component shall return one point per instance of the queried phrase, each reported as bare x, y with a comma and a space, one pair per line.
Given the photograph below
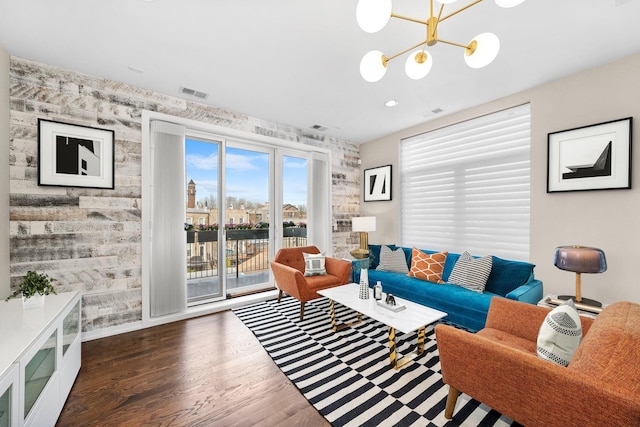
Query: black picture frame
594, 157
377, 184
72, 155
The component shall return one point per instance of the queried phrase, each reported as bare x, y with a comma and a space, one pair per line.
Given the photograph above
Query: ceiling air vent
193, 92
319, 128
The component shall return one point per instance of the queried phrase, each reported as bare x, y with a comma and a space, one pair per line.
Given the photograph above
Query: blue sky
246, 173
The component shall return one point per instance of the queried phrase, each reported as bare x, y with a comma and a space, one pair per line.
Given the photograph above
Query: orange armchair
499, 366
288, 270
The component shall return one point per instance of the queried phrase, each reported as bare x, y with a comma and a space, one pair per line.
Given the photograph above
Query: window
466, 186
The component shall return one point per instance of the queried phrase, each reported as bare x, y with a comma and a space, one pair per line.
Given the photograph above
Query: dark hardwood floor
207, 371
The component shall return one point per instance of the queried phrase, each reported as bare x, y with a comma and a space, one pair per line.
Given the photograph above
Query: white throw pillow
314, 265
560, 334
391, 260
471, 273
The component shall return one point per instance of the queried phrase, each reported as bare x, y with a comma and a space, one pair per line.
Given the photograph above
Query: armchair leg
301, 310
452, 399
279, 295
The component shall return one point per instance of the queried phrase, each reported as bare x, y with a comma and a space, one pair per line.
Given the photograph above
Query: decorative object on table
393, 307
364, 284
377, 291
390, 300
33, 288
595, 157
75, 156
377, 184
373, 15
580, 259
362, 225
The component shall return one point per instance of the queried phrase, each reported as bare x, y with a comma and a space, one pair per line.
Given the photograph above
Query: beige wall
4, 170
608, 219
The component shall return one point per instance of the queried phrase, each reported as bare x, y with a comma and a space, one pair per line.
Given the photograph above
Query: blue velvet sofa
508, 279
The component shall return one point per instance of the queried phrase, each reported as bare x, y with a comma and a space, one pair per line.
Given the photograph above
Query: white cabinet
39, 359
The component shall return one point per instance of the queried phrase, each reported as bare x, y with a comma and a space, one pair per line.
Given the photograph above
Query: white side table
552, 301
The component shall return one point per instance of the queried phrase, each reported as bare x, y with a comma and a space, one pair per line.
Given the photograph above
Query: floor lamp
580, 259
363, 225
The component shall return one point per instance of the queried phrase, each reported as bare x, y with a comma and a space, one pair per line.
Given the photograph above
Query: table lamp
362, 224
580, 259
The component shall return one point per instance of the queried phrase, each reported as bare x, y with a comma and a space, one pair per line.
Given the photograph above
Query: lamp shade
418, 64
373, 15
372, 67
487, 46
580, 259
363, 223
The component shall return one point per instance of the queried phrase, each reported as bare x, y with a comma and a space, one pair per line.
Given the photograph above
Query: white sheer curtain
319, 209
168, 262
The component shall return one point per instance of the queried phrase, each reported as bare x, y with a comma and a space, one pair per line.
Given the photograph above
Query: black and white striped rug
346, 375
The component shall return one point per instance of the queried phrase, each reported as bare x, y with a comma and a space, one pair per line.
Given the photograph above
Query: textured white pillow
392, 260
471, 273
560, 334
314, 265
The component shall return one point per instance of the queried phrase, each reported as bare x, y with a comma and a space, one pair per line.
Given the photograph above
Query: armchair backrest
293, 256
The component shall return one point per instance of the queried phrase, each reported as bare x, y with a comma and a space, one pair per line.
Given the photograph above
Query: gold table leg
399, 363
334, 322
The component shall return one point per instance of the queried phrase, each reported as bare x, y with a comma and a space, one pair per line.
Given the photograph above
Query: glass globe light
508, 3
372, 66
482, 50
418, 64
373, 15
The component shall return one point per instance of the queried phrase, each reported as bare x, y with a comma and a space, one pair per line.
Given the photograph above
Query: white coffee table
413, 318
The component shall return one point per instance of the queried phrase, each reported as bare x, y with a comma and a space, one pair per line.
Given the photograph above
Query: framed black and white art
75, 156
377, 184
595, 157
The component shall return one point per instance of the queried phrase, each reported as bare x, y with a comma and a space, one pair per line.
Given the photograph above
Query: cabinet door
9, 415
39, 379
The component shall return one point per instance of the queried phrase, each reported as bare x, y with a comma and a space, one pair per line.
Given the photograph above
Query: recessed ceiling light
391, 103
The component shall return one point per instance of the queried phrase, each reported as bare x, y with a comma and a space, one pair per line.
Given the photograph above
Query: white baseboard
196, 311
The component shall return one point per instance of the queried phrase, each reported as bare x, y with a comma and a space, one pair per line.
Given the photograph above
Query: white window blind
466, 186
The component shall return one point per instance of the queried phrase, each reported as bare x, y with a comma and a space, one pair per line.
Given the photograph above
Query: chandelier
373, 15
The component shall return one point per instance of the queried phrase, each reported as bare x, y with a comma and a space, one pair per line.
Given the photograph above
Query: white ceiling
296, 62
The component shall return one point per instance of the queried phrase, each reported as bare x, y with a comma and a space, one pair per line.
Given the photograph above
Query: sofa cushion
611, 348
506, 275
374, 254
392, 260
314, 264
427, 266
471, 273
560, 334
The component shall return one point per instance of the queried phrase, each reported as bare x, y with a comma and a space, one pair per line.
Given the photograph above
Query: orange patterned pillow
427, 266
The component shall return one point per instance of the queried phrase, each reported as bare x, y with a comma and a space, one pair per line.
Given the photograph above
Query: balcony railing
246, 251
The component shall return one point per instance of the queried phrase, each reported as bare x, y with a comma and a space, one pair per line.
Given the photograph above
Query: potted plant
34, 287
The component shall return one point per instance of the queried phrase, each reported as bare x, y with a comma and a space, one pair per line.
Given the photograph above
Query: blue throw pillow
506, 275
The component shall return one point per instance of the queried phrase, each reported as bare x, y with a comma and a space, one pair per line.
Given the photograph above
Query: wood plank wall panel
90, 239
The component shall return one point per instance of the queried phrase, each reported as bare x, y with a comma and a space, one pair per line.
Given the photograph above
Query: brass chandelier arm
405, 51
408, 18
454, 44
460, 10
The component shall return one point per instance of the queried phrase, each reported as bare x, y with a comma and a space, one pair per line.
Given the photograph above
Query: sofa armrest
530, 292
339, 268
288, 279
532, 391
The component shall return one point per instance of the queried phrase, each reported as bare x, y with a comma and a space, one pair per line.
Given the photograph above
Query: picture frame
377, 184
594, 157
71, 155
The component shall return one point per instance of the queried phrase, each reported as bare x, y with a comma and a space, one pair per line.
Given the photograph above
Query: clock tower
191, 194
